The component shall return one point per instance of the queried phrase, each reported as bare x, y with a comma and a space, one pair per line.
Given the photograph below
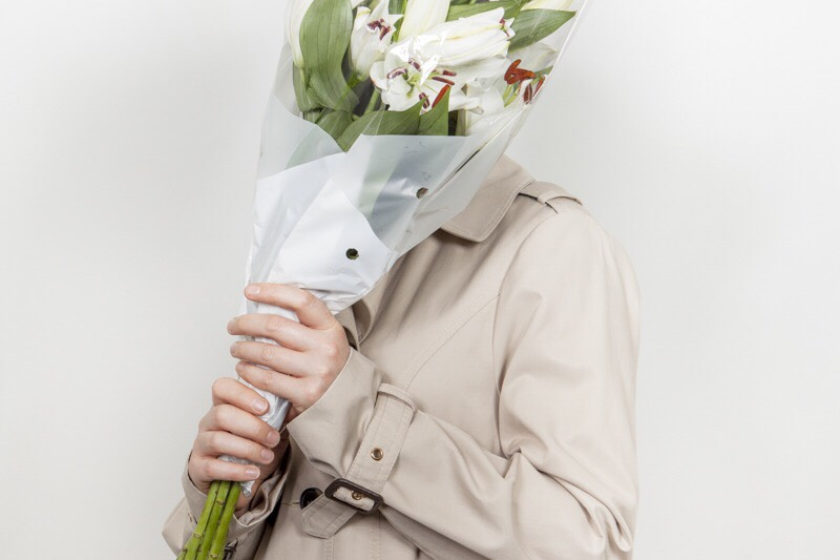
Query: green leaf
305, 102
396, 6
531, 26
313, 115
335, 122
378, 123
436, 120
324, 38
465, 10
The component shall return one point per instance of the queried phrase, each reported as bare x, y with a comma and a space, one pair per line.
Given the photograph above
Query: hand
232, 427
308, 355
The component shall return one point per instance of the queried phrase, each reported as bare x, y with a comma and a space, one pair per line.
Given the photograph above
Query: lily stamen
440, 94
504, 28
515, 74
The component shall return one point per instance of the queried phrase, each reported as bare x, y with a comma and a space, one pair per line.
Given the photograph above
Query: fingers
301, 391
309, 309
227, 390
285, 332
216, 443
228, 418
274, 357
204, 469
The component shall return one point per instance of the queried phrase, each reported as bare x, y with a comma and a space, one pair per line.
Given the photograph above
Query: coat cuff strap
371, 466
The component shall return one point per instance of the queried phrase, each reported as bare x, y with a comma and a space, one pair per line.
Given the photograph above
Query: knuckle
223, 415
305, 298
268, 353
199, 446
214, 442
311, 392
330, 350
323, 370
218, 387
274, 324
250, 373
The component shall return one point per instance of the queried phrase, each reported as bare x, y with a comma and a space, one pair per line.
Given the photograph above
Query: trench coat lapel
474, 224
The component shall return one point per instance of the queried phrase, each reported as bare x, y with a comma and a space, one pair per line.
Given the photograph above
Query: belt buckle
338, 483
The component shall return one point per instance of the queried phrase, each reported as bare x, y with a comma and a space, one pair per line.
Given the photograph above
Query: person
478, 403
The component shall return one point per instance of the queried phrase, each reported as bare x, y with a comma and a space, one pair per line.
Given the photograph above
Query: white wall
704, 137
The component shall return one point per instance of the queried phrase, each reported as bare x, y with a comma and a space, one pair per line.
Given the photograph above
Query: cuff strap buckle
357, 490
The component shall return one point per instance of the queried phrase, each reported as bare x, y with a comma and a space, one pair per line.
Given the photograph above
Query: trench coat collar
488, 206
484, 212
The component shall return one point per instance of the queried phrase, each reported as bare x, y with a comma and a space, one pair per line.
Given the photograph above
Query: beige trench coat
488, 399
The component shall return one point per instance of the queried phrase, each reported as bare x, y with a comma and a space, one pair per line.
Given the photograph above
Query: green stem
191, 549
218, 549
354, 80
397, 26
374, 97
460, 124
213, 522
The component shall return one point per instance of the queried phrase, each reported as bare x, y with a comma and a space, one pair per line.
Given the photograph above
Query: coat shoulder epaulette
547, 193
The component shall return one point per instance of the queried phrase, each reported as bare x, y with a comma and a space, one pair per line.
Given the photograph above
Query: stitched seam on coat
552, 211
446, 334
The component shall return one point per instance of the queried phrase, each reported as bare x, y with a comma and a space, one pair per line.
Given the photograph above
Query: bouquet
385, 117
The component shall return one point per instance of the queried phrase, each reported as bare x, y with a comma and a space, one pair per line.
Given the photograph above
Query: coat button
308, 496
376, 454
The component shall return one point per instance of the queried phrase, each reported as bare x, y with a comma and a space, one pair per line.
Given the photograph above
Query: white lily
503, 99
294, 19
548, 5
422, 15
452, 54
466, 39
372, 34
490, 109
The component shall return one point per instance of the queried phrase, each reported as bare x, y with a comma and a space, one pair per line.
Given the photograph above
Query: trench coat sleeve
245, 531
564, 486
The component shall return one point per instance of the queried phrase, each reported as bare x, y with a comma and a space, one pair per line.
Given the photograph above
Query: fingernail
259, 405
273, 439
266, 455
252, 290
252, 472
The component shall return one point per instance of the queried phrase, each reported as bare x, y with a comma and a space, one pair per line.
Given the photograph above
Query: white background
704, 137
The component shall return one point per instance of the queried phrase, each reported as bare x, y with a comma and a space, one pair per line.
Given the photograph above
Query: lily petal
421, 15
